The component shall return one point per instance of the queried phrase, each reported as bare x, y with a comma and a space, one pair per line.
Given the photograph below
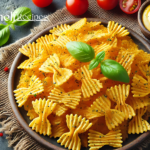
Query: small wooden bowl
140, 13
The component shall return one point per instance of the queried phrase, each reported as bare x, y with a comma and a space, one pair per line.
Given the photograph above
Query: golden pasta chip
41, 124
34, 51
102, 107
98, 140
59, 29
75, 27
22, 94
52, 65
138, 102
140, 86
114, 29
138, 124
46, 39
89, 86
70, 99
145, 69
119, 94
126, 59
76, 126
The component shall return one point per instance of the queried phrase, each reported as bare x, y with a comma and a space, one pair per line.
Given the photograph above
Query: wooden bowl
140, 13
51, 143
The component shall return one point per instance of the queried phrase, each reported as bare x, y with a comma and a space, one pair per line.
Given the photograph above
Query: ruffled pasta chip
101, 107
36, 54
46, 39
70, 99
61, 41
119, 94
140, 86
76, 126
98, 140
73, 29
52, 65
59, 29
138, 102
145, 69
116, 30
89, 86
22, 94
138, 124
41, 124
126, 59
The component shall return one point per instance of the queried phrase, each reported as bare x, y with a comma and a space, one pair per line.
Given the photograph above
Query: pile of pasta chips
81, 107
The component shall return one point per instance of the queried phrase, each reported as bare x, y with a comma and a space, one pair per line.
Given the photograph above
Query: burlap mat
17, 137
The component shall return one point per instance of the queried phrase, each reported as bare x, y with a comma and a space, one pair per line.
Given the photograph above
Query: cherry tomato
130, 6
77, 7
42, 3
107, 4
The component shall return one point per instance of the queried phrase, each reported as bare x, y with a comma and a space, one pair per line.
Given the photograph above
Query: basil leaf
4, 34
7, 20
21, 16
2, 26
12, 26
93, 64
113, 70
81, 51
100, 56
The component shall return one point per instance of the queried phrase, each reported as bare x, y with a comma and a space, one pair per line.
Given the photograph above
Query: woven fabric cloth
17, 137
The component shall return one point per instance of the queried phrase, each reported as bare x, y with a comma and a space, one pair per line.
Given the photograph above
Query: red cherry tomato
107, 4
77, 7
42, 3
1, 134
130, 6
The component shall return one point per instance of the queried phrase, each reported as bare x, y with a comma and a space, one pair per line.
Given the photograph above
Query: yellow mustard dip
146, 17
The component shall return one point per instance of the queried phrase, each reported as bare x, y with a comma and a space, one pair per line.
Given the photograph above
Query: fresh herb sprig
20, 16
109, 68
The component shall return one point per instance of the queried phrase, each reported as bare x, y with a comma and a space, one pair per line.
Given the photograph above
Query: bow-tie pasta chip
98, 140
76, 126
89, 86
52, 65
64, 99
22, 94
119, 94
41, 124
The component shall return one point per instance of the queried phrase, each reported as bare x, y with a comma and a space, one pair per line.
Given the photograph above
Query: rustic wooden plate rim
14, 106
